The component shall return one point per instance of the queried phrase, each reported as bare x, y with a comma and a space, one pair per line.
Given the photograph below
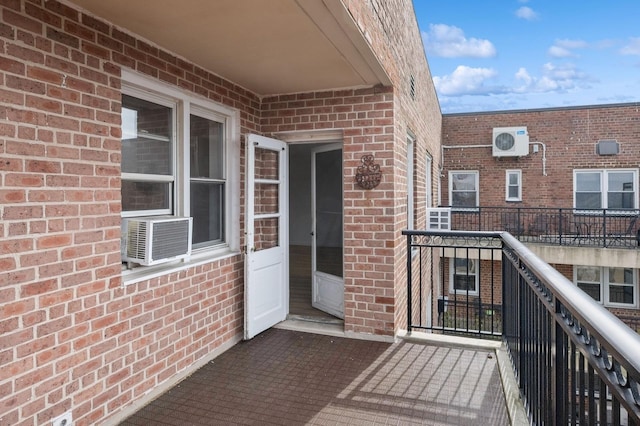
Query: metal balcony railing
575, 362
557, 226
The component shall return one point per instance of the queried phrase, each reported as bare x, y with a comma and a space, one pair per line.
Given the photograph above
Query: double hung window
464, 275
513, 186
609, 286
463, 189
605, 189
177, 157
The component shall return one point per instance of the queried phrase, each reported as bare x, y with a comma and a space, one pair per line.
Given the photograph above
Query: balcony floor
292, 378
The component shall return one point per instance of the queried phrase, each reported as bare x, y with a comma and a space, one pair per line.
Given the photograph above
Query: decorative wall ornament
368, 175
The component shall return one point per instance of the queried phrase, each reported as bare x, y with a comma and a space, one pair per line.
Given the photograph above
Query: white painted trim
311, 136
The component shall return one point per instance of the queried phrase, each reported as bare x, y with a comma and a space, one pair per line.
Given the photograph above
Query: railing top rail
620, 340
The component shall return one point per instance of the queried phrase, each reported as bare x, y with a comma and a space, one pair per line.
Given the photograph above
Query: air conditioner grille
169, 239
505, 141
137, 239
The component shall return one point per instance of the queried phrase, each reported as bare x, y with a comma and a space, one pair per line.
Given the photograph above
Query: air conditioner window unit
510, 142
155, 239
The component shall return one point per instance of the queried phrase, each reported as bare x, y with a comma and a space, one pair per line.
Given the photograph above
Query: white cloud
554, 79
527, 13
631, 48
450, 42
559, 52
572, 44
466, 81
564, 48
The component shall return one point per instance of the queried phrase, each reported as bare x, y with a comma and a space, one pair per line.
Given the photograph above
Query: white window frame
168, 102
188, 104
475, 274
604, 181
508, 185
477, 189
429, 180
605, 286
411, 219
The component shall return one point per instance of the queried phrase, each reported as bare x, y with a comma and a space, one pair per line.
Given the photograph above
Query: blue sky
497, 55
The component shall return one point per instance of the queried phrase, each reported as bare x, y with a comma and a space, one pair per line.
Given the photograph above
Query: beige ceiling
266, 46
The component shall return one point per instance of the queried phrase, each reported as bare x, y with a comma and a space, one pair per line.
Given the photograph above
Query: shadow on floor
284, 377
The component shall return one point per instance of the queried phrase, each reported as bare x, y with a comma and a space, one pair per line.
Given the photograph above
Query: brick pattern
570, 136
72, 337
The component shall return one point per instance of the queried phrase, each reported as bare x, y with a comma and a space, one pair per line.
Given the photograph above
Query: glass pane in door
266, 199
329, 244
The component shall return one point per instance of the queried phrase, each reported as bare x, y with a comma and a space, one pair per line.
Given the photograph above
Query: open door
327, 234
266, 276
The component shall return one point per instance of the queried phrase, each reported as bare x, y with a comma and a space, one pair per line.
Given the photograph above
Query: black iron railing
575, 362
558, 226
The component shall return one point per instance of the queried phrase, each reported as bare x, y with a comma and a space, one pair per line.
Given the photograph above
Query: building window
148, 155
463, 189
464, 275
513, 185
207, 179
610, 286
177, 159
605, 189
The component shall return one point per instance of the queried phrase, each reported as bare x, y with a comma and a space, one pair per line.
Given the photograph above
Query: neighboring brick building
116, 111
582, 158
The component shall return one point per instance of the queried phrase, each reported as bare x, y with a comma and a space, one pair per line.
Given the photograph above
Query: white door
266, 270
327, 236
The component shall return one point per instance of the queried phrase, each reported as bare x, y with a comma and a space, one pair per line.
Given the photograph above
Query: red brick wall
570, 136
71, 336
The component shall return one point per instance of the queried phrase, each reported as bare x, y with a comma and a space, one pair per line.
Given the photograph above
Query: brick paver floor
285, 377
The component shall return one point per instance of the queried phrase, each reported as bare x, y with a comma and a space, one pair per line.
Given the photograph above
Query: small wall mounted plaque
368, 174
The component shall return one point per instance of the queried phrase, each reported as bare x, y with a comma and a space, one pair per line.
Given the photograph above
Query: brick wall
570, 136
71, 336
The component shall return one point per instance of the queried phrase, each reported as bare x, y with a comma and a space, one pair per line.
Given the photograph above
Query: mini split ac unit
510, 142
157, 239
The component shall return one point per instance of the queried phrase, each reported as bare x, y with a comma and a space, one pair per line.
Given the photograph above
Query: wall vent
607, 147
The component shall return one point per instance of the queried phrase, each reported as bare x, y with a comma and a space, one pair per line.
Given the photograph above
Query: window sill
144, 273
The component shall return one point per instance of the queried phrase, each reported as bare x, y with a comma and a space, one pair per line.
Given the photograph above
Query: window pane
207, 210
621, 294
620, 200
587, 181
464, 282
588, 200
463, 199
513, 179
146, 137
513, 192
145, 195
206, 149
620, 181
463, 181
621, 275
592, 290
588, 273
